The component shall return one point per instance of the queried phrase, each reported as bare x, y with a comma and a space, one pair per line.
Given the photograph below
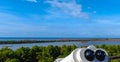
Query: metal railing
113, 58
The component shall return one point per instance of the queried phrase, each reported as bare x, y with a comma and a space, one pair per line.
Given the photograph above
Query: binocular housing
89, 54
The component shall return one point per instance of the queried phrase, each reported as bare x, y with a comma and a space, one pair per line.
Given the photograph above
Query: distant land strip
58, 40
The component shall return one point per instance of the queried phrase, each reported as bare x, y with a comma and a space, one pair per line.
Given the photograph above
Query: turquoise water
78, 44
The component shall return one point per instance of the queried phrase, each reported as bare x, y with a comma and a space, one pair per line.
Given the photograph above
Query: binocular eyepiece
89, 54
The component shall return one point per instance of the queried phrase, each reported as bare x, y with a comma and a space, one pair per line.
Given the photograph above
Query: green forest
46, 54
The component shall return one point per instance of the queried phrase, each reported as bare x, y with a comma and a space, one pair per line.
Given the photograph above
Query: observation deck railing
114, 58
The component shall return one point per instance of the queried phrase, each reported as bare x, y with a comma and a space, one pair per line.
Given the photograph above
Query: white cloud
11, 24
89, 7
106, 21
94, 12
69, 7
35, 1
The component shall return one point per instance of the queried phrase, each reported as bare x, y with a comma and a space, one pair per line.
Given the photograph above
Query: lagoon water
78, 44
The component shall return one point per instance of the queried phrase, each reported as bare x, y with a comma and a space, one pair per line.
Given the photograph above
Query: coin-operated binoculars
89, 54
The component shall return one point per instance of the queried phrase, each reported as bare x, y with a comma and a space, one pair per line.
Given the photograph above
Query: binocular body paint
89, 54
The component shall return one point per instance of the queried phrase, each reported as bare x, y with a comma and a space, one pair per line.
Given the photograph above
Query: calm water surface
78, 44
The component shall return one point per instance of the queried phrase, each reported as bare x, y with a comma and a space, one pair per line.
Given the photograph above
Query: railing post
110, 60
114, 58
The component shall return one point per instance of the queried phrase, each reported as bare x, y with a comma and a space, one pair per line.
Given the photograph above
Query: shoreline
57, 40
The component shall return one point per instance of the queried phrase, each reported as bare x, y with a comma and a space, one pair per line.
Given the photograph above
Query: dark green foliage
6, 53
12, 60
47, 54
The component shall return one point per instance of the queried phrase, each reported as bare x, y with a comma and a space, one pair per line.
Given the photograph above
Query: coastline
40, 40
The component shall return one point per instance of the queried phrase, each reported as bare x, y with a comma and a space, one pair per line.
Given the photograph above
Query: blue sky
60, 18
